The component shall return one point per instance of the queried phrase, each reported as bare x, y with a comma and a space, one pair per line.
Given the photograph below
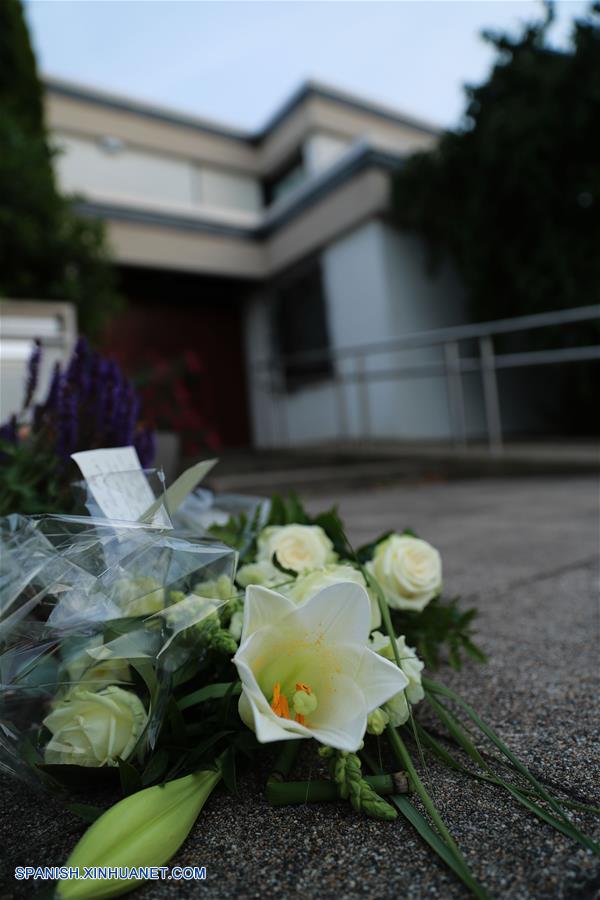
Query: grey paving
524, 551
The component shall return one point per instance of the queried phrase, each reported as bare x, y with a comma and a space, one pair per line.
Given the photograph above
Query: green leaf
441, 624
290, 572
176, 721
210, 692
85, 811
246, 743
405, 760
156, 768
421, 825
131, 780
472, 650
367, 551
227, 767
436, 688
457, 733
295, 512
277, 512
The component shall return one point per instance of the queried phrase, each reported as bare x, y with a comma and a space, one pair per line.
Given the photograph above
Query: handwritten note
119, 485
117, 482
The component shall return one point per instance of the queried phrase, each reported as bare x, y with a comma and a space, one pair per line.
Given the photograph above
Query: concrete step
355, 464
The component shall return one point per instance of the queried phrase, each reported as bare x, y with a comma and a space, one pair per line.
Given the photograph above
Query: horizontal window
112, 168
225, 190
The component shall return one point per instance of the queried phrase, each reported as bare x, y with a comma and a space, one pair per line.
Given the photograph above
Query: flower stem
284, 762
282, 793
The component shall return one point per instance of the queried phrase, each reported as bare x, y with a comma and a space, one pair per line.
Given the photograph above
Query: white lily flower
307, 671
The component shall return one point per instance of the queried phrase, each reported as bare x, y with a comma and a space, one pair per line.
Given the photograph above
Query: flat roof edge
309, 89
123, 103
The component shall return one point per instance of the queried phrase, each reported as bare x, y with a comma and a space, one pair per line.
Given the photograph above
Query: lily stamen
279, 703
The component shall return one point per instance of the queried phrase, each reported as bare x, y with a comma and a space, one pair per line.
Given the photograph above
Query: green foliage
240, 532
47, 251
30, 482
217, 639
287, 511
514, 194
442, 624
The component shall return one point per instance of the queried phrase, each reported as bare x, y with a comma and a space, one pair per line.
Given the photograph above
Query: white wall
20, 322
377, 289
321, 150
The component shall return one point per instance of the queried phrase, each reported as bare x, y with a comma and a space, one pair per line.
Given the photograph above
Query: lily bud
144, 829
377, 720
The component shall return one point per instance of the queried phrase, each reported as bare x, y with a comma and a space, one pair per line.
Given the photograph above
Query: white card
126, 495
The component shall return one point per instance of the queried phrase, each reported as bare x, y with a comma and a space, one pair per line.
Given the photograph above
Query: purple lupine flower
79, 359
78, 370
33, 372
97, 398
67, 421
53, 391
145, 445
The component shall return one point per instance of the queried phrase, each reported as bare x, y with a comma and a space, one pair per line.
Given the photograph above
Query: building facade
271, 255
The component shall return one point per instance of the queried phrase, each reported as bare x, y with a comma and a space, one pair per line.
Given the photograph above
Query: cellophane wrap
80, 597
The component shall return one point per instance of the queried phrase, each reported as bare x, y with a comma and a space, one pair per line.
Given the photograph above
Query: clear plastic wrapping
99, 612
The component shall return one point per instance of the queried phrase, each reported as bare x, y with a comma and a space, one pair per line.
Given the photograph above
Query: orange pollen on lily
300, 686
279, 703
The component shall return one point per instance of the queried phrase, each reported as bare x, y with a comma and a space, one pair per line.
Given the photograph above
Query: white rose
409, 571
296, 547
93, 729
263, 573
236, 625
86, 670
306, 586
411, 665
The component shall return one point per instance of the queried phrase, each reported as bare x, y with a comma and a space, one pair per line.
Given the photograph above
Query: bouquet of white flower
169, 660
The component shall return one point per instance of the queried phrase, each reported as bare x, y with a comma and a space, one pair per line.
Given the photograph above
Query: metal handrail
444, 335
452, 367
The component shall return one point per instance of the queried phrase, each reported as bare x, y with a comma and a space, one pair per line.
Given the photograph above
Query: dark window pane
300, 325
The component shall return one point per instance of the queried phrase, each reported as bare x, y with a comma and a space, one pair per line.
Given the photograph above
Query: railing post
456, 400
279, 394
490, 393
266, 386
363, 395
342, 409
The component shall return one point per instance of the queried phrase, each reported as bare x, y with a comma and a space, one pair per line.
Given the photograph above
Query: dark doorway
180, 340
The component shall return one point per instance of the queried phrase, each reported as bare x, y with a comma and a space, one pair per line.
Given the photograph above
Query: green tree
513, 195
47, 251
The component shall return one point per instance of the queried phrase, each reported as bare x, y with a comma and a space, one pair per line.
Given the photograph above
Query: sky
237, 62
